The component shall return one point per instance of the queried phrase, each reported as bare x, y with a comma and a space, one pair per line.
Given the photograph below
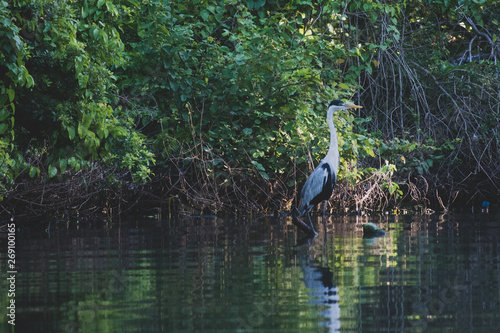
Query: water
428, 274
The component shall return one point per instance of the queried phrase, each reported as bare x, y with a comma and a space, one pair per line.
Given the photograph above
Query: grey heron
319, 186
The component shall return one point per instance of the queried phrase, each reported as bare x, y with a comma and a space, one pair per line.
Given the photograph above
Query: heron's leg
311, 224
324, 209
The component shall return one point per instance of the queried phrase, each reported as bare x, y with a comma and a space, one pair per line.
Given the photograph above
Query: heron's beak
353, 106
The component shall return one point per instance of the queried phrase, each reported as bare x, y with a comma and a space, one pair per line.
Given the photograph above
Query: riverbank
90, 194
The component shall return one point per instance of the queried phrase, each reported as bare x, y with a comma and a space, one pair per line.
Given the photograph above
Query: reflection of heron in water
319, 279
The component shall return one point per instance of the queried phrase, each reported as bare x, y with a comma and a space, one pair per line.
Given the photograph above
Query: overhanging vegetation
216, 105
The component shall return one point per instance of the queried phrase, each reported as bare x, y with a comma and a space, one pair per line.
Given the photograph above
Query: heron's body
319, 186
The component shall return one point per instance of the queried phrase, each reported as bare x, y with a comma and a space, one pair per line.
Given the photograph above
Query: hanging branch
494, 47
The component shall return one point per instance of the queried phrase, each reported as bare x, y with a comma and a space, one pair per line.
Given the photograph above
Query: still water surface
428, 274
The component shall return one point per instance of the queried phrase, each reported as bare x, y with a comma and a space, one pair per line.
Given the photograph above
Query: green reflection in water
208, 274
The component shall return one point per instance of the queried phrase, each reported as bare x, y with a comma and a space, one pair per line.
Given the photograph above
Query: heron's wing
315, 184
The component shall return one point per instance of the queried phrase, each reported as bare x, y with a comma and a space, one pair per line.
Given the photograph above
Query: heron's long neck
333, 152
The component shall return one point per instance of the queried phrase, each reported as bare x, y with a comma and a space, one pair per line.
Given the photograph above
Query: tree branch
494, 47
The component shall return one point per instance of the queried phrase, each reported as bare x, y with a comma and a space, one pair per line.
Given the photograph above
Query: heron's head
339, 105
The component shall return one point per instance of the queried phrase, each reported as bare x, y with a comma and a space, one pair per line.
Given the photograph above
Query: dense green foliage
217, 95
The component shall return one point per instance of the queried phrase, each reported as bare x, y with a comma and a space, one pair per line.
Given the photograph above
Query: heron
319, 186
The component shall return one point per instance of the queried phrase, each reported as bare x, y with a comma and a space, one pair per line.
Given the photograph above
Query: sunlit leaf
343, 86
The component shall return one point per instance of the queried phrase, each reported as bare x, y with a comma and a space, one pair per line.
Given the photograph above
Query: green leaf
3, 128
173, 85
369, 151
83, 80
4, 114
343, 86
258, 166
72, 161
259, 3
247, 131
30, 82
204, 15
11, 94
34, 171
71, 132
63, 164
52, 171
392, 187
289, 126
240, 58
